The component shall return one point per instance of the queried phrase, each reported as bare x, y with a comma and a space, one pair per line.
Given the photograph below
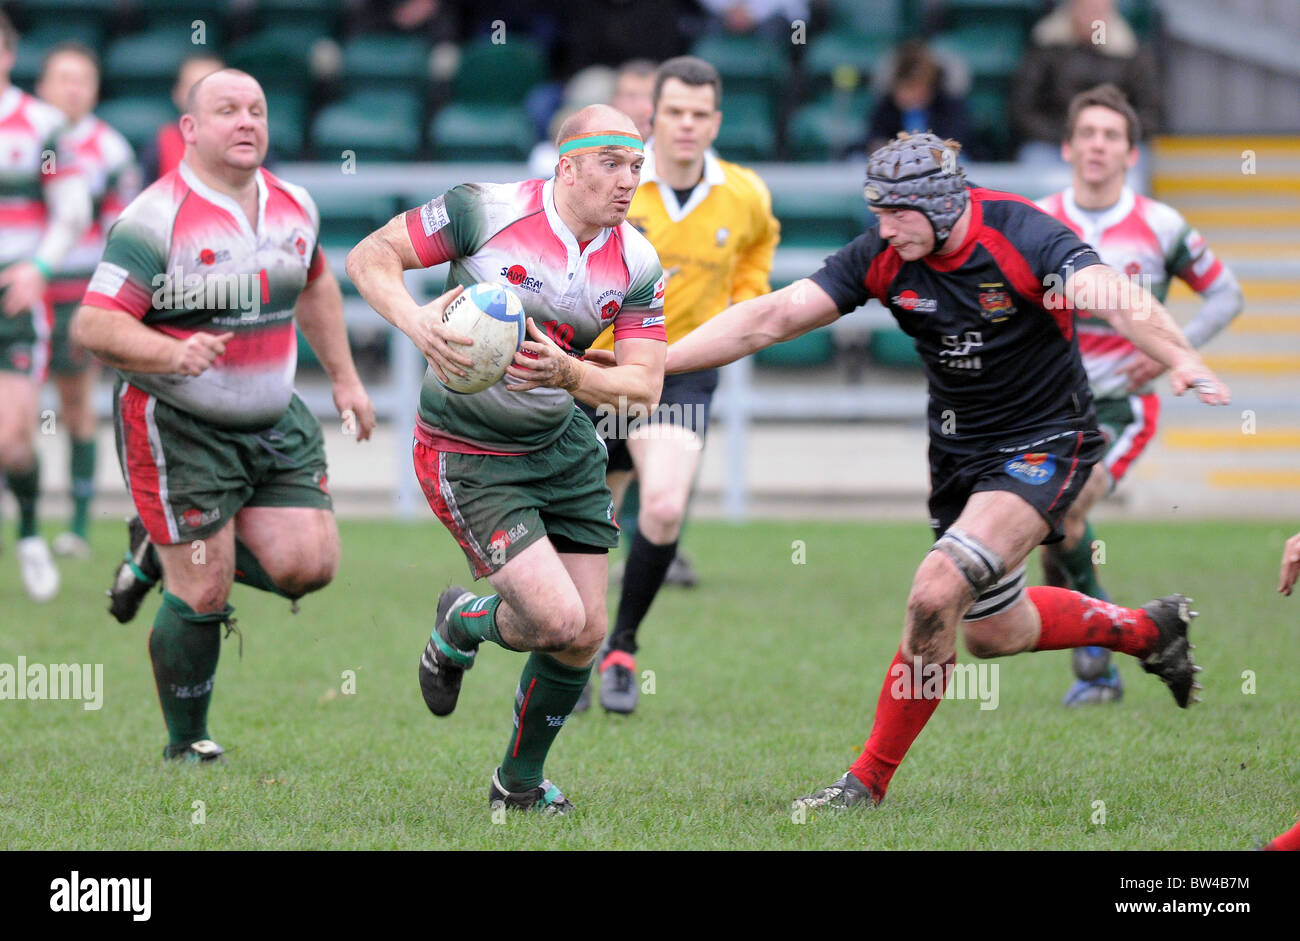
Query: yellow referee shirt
716, 250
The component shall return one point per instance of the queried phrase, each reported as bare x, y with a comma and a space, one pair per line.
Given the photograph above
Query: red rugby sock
905, 705
1071, 619
1287, 841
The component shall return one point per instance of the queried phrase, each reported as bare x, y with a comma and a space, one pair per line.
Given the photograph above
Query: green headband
598, 139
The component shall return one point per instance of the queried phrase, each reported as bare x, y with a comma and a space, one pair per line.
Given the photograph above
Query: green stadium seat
287, 114
890, 346
1142, 15
137, 118
990, 120
146, 63
842, 62
818, 220
464, 132
346, 218
99, 13
373, 125
747, 65
827, 129
500, 74
748, 132
990, 51
318, 17
1022, 13
810, 350
168, 14
33, 46
279, 58
386, 61
890, 20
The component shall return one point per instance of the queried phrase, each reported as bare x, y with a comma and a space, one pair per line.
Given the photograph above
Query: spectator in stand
770, 19
916, 100
632, 93
436, 20
164, 154
1081, 44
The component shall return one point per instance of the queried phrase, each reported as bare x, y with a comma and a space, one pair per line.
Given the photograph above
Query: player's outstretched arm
1143, 320
125, 343
375, 266
319, 313
1290, 565
751, 325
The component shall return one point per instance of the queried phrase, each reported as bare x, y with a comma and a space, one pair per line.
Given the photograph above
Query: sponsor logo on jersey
609, 303
433, 216
504, 537
555, 721
995, 303
910, 300
721, 236
517, 275
194, 518
652, 321
208, 257
1035, 467
1133, 269
661, 285
107, 279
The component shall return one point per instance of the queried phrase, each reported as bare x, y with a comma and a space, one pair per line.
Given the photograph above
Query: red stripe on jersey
1074, 462
1021, 276
629, 324
522, 710
430, 249
1200, 283
431, 437
67, 292
141, 466
130, 297
426, 471
883, 270
1150, 412
250, 348
171, 148
27, 214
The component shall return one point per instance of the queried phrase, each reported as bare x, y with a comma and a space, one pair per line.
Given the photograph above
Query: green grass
766, 678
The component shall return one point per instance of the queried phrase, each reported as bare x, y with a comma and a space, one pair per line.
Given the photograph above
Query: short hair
1109, 96
192, 96
691, 71
8, 33
915, 62
63, 48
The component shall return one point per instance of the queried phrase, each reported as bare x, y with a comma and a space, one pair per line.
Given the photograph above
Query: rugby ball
493, 316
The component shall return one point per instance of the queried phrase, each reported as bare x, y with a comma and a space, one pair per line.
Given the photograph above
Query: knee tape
981, 565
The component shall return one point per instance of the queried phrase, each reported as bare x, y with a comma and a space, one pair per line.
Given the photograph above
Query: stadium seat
748, 132
1142, 15
890, 346
890, 20
73, 13
287, 114
320, 17
373, 125
990, 121
964, 13
346, 218
827, 129
378, 61
842, 62
146, 63
279, 58
990, 51
501, 74
747, 65
33, 46
137, 118
480, 132
168, 14
826, 221
812, 349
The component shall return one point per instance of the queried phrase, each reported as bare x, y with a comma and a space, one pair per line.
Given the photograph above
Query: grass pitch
765, 680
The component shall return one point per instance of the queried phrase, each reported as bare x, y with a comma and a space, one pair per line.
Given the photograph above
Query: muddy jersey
998, 350
184, 258
1146, 240
107, 164
511, 234
33, 154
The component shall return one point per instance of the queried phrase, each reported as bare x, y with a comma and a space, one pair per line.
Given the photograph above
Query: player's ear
1067, 152
188, 125
1133, 154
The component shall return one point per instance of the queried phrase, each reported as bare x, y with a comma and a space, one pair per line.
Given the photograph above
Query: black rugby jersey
997, 360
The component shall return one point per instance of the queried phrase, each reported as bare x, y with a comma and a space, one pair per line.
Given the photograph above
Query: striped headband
597, 140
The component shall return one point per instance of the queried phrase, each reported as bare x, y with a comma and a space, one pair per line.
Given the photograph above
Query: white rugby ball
492, 316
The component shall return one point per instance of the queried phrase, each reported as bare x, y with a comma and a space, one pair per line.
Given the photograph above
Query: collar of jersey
1123, 206
954, 260
714, 175
10, 100
562, 231
225, 202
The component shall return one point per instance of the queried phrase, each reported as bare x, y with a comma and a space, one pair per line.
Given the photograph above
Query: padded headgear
918, 171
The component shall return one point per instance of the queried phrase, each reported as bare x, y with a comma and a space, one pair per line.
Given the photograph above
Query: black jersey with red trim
995, 336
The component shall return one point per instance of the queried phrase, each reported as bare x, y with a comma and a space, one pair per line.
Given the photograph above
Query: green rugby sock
184, 647
83, 483
249, 571
547, 693
476, 621
26, 487
1078, 566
